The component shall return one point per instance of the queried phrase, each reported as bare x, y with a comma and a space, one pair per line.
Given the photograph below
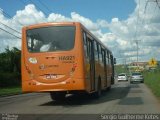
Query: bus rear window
50, 39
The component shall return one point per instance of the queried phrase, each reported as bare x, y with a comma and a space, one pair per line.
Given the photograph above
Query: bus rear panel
52, 58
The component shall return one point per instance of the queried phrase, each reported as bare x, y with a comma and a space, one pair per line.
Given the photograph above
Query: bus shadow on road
85, 99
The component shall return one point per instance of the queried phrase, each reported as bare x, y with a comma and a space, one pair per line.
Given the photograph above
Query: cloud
29, 15
142, 24
102, 23
115, 20
85, 21
53, 17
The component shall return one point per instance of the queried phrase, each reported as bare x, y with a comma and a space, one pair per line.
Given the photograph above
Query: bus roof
49, 23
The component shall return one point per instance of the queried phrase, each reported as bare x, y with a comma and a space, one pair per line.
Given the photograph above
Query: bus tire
112, 80
98, 93
57, 95
109, 88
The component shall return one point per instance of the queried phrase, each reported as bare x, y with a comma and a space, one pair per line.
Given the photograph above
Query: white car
122, 77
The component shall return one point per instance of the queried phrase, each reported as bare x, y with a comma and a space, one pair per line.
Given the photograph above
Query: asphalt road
122, 98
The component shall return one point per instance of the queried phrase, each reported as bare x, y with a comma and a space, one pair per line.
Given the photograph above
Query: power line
22, 2
38, 7
10, 27
137, 43
135, 35
49, 10
158, 4
156, 1
6, 14
9, 16
136, 29
146, 6
153, 42
146, 10
10, 33
35, 5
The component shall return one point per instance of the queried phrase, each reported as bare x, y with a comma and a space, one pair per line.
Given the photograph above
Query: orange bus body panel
34, 77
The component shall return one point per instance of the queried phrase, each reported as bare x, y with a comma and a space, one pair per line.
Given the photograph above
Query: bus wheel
57, 95
109, 88
98, 93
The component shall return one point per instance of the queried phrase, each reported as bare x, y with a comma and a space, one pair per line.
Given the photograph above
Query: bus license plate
51, 76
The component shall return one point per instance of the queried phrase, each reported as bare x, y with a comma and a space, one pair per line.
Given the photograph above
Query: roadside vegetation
152, 80
10, 91
10, 72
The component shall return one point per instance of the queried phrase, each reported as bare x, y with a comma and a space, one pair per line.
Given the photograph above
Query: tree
10, 60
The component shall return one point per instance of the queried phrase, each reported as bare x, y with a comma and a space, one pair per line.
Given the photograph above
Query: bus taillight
73, 68
28, 70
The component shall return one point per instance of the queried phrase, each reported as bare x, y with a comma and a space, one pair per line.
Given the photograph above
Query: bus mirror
114, 60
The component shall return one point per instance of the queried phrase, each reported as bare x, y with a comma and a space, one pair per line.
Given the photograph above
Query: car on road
137, 77
122, 77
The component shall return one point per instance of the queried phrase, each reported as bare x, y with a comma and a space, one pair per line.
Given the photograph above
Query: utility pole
137, 44
137, 49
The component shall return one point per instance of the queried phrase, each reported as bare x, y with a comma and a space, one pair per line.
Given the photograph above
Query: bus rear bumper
36, 86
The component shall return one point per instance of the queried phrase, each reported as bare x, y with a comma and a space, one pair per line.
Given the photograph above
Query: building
141, 64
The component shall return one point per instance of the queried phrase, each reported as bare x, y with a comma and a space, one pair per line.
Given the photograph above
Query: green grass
10, 91
152, 80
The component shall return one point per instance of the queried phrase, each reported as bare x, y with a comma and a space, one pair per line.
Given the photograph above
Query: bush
10, 79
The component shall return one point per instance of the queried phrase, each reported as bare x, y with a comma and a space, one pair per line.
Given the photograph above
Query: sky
117, 23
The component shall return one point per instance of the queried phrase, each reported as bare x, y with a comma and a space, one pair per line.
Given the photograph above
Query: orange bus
63, 58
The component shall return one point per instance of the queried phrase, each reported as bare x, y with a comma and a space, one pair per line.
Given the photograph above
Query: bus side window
107, 57
85, 44
103, 57
100, 54
88, 43
88, 48
84, 38
110, 59
96, 50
